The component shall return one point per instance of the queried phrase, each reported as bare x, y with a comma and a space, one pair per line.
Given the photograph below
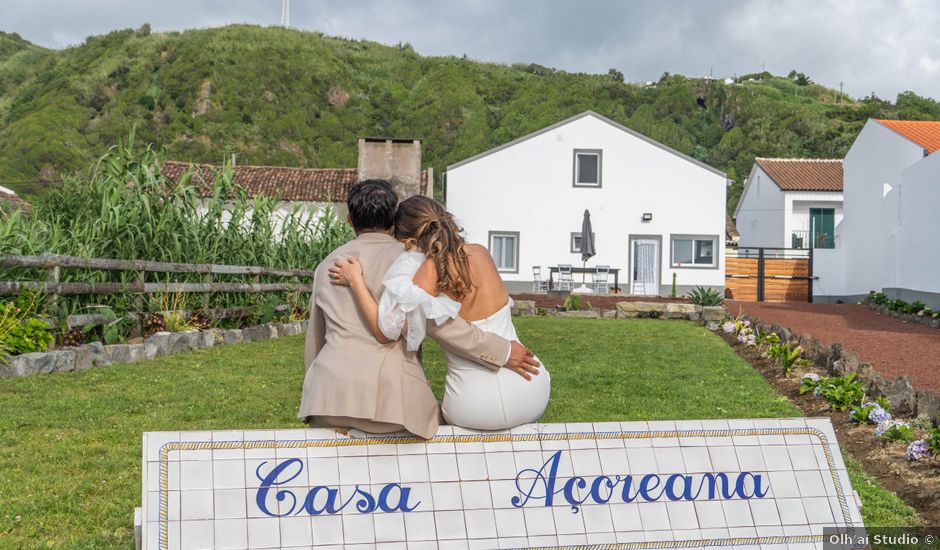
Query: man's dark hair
372, 205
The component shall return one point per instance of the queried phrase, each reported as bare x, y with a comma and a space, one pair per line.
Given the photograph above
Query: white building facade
791, 203
889, 237
655, 212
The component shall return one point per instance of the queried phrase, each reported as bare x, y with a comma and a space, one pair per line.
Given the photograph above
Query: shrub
842, 392
29, 336
702, 296
572, 302
895, 430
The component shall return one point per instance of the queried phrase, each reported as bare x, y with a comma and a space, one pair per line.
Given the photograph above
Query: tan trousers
362, 424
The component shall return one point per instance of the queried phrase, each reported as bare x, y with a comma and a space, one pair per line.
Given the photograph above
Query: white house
790, 203
655, 212
889, 237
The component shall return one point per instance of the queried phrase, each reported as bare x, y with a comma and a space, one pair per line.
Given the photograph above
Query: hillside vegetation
286, 97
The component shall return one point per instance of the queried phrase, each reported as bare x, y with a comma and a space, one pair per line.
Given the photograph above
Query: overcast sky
873, 46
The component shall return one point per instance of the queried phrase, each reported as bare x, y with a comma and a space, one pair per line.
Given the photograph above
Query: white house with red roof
790, 203
889, 240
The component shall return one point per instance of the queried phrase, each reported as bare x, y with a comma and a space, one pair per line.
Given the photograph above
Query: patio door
644, 257
822, 223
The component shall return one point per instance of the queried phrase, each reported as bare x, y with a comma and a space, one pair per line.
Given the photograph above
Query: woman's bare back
487, 295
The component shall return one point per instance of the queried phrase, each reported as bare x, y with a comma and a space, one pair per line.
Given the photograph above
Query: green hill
285, 97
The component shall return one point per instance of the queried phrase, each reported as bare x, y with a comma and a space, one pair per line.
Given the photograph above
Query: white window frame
505, 234
600, 167
693, 238
576, 237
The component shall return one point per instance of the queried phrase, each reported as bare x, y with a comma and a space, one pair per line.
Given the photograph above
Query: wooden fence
770, 275
53, 286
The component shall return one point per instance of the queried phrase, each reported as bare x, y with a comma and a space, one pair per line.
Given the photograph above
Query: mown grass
70, 443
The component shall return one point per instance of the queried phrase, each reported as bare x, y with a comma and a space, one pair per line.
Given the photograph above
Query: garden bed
917, 482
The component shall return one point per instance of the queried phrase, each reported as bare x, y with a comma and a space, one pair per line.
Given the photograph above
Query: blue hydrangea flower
918, 449
811, 376
887, 425
879, 415
728, 327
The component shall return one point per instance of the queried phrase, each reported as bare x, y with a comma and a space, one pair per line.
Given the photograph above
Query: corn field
124, 209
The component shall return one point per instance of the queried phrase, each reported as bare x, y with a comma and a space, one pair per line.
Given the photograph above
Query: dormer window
587, 167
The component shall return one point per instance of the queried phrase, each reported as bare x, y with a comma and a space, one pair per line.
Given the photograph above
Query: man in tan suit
354, 381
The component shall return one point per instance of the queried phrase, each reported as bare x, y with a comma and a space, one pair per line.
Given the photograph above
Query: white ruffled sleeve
405, 303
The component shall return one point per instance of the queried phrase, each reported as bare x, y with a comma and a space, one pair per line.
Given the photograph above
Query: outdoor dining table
576, 270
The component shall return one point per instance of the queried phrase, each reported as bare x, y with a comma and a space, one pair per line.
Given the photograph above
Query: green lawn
70, 443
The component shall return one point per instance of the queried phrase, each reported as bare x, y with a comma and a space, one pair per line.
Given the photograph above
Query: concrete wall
872, 167
395, 160
527, 188
311, 211
917, 235
759, 216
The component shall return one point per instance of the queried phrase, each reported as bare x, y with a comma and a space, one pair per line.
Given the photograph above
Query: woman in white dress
439, 277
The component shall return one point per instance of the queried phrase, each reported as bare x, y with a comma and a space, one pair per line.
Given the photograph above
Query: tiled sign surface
715, 483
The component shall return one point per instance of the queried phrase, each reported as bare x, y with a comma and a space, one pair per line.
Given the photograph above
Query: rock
279, 330
628, 314
713, 313
99, 357
640, 307
183, 341
581, 314
162, 341
712, 325
138, 340
847, 363
232, 336
901, 395
217, 335
928, 403
609, 313
815, 352
260, 332
935, 323
82, 356
205, 340
875, 385
40, 362
523, 308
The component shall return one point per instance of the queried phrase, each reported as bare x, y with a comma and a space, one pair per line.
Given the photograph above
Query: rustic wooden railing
53, 286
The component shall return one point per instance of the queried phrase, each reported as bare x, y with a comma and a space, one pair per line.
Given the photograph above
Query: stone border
904, 399
905, 317
160, 344
710, 315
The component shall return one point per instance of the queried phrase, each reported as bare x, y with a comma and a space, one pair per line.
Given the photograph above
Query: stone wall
905, 400
709, 315
160, 344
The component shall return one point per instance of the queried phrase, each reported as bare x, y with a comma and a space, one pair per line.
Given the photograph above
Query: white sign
710, 483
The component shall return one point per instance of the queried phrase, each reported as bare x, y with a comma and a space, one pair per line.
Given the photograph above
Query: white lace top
404, 303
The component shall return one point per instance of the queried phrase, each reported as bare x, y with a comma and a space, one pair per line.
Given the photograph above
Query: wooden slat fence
770, 275
53, 265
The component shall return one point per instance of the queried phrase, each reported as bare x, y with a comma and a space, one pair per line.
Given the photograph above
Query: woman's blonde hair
424, 224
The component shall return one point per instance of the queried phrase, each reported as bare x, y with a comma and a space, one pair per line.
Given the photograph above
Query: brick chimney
395, 160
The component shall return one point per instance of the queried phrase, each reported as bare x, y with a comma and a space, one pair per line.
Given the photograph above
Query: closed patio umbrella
587, 249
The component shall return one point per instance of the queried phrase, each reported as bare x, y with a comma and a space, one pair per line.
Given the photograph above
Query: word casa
542, 486
321, 499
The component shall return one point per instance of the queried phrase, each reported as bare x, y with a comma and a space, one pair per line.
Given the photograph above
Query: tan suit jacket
350, 374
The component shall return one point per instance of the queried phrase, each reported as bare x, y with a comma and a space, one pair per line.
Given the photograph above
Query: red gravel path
892, 346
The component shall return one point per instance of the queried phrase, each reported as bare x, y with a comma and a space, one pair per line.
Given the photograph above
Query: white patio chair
538, 283
565, 278
602, 279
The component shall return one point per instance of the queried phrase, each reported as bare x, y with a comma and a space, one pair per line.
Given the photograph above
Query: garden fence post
52, 280
760, 274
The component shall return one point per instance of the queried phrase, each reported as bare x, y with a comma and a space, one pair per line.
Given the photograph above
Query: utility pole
285, 14
840, 90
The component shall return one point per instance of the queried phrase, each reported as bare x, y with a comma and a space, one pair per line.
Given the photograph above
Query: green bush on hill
285, 97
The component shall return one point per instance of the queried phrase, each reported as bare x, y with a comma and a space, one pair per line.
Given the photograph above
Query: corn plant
123, 208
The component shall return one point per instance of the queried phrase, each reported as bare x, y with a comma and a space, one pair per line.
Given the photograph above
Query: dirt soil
917, 482
606, 301
892, 346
